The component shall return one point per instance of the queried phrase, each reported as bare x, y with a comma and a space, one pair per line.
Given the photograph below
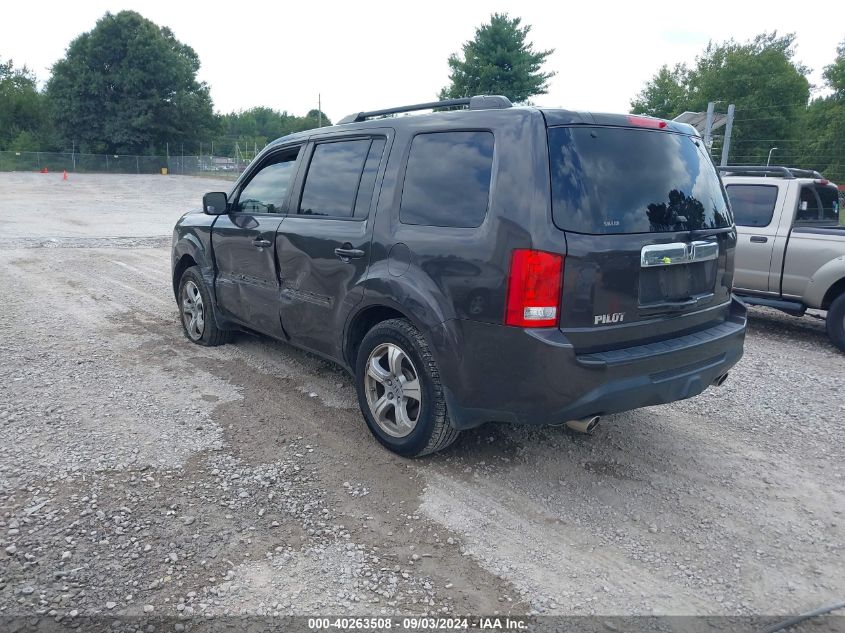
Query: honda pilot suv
492, 263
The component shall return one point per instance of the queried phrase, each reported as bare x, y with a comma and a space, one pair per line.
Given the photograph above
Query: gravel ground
140, 474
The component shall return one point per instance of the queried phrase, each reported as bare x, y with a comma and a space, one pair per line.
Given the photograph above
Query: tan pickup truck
790, 251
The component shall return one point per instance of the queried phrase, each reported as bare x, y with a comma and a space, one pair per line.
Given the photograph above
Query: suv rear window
753, 205
623, 180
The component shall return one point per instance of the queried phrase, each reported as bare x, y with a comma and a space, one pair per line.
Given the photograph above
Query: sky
362, 56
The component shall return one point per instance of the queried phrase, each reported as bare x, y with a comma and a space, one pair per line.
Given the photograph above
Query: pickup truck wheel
195, 308
399, 390
836, 322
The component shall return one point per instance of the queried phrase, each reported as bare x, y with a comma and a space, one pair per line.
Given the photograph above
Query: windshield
623, 180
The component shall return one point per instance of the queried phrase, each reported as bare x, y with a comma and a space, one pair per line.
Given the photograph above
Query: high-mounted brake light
534, 286
821, 181
647, 121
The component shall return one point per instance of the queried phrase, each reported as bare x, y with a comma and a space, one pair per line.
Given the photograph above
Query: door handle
347, 252
259, 243
759, 239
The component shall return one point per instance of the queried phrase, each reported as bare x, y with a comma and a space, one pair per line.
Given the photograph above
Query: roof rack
478, 102
788, 173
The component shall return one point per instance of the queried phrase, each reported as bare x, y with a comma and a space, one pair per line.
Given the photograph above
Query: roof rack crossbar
788, 173
479, 102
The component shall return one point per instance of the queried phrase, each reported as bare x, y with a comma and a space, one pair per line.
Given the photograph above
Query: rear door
649, 234
244, 243
817, 207
323, 247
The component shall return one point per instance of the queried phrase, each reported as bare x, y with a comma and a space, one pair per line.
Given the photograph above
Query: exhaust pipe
584, 425
720, 380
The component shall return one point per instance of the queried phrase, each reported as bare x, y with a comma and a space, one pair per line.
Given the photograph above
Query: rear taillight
534, 285
647, 121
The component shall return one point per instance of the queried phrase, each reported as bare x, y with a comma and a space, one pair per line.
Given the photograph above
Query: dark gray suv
493, 263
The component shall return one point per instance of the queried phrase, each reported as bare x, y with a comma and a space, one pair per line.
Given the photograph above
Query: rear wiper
709, 232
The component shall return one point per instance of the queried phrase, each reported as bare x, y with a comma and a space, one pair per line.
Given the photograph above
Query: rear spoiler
569, 117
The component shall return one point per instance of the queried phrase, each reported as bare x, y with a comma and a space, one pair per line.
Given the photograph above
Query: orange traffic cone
65, 176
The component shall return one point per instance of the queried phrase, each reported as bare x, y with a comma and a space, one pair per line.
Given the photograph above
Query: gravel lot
142, 474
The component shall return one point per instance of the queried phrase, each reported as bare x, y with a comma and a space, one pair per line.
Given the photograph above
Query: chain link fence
211, 166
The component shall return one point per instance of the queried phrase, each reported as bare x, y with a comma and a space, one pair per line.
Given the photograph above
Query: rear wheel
399, 390
836, 322
196, 311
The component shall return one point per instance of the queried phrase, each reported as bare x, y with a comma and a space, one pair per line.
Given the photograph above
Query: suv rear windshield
624, 180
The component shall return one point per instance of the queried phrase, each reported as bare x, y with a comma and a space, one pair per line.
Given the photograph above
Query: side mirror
215, 203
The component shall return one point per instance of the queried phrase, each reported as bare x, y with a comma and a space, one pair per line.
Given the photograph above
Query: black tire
208, 334
836, 322
432, 430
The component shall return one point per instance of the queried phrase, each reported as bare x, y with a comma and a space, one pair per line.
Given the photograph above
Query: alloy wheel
392, 387
193, 313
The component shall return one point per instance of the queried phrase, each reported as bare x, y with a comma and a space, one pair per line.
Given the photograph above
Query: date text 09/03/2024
422, 623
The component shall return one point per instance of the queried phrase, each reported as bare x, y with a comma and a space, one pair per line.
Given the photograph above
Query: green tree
665, 95
835, 73
23, 116
252, 129
822, 144
761, 78
129, 86
498, 61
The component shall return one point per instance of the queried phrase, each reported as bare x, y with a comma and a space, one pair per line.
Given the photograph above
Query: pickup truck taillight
535, 280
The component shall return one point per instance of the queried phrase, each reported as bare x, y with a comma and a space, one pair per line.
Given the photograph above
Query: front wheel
836, 322
399, 390
196, 311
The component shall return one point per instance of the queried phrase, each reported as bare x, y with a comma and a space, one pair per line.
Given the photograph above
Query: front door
323, 247
244, 243
754, 208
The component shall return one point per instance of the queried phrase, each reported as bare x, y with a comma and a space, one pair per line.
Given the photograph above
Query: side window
267, 190
808, 207
447, 182
830, 205
341, 178
368, 179
752, 205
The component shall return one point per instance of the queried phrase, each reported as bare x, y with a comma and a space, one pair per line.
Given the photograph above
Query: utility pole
319, 111
726, 146
708, 125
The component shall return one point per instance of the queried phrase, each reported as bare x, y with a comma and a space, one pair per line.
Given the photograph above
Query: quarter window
341, 178
752, 205
267, 191
447, 182
808, 207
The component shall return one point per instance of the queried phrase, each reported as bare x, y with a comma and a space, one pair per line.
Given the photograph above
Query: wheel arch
832, 293
825, 284
362, 321
187, 252
182, 264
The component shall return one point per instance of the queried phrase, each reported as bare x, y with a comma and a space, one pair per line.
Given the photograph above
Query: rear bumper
493, 372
